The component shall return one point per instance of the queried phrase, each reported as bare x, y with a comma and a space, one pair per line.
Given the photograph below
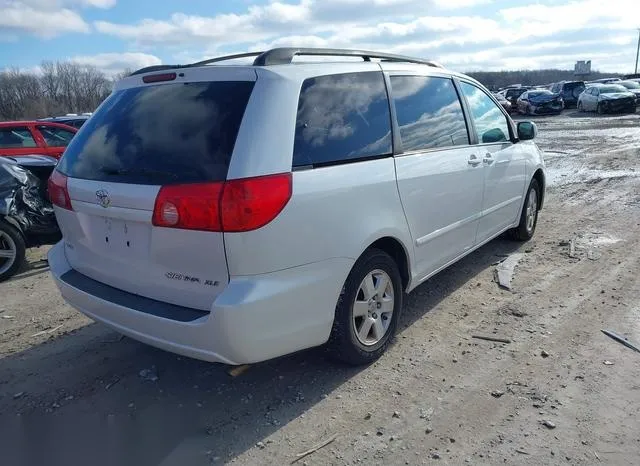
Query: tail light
58, 192
231, 206
189, 207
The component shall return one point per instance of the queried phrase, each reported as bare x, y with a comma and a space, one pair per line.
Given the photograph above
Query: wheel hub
373, 307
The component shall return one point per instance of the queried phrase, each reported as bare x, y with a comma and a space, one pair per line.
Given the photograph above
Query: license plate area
118, 237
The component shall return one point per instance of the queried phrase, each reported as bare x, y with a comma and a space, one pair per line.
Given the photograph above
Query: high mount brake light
156, 78
230, 206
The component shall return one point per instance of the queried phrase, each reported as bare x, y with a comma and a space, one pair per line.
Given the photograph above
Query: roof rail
148, 69
225, 58
285, 55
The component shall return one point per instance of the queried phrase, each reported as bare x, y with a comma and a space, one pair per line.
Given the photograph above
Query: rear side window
163, 134
342, 118
18, 137
490, 122
429, 113
56, 137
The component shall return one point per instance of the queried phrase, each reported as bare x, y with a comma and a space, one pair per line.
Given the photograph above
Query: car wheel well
539, 176
396, 250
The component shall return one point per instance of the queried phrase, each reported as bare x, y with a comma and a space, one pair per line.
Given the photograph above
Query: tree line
495, 80
56, 89
63, 87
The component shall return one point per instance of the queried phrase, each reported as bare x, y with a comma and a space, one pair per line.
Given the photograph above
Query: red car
34, 137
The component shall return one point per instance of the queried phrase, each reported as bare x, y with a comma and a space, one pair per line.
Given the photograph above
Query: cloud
44, 24
463, 34
112, 63
45, 18
266, 22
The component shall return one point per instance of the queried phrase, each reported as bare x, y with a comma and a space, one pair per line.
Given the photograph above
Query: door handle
474, 161
488, 159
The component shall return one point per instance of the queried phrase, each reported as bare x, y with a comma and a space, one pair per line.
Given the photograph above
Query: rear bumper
254, 319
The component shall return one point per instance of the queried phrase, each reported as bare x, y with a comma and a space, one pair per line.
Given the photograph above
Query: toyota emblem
103, 198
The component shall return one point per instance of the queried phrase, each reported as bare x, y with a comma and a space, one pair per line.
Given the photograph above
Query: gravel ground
72, 392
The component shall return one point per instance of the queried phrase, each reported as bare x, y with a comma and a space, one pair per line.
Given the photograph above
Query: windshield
612, 89
630, 85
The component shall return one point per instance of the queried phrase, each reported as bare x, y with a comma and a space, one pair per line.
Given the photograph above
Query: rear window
577, 85
342, 118
56, 137
164, 134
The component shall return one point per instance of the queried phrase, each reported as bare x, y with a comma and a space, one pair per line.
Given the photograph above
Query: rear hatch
176, 135
571, 91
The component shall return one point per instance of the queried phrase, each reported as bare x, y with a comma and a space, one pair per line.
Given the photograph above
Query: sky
464, 35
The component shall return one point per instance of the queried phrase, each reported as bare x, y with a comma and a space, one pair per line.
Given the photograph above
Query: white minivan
236, 213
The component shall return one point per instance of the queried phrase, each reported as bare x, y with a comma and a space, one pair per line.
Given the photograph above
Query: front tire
368, 310
600, 109
529, 215
12, 251
580, 107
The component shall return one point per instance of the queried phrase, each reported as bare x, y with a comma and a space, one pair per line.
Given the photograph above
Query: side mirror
527, 130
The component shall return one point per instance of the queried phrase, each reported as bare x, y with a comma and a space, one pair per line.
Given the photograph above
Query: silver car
607, 98
239, 213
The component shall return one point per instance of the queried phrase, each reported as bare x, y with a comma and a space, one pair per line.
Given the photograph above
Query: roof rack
148, 69
285, 55
226, 57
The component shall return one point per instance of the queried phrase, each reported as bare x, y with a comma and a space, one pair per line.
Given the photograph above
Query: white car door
504, 163
439, 173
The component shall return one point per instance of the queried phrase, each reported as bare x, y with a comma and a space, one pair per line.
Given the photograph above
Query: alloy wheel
8, 252
373, 307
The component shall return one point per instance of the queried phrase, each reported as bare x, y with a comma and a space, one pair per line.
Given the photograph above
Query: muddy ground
71, 391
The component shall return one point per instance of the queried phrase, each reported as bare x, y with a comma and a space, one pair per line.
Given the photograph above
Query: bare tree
59, 88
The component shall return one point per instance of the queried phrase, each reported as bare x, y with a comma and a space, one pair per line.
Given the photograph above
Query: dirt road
437, 397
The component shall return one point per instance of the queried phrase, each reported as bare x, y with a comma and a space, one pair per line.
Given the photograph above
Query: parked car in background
512, 95
503, 101
605, 80
540, 102
204, 243
632, 86
34, 137
607, 98
569, 91
27, 218
70, 119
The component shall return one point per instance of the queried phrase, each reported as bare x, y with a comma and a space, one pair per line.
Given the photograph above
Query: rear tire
529, 215
11, 242
368, 310
599, 109
580, 108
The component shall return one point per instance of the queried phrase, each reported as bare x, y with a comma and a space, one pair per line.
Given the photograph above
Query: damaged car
540, 102
503, 101
632, 86
607, 98
27, 218
570, 91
